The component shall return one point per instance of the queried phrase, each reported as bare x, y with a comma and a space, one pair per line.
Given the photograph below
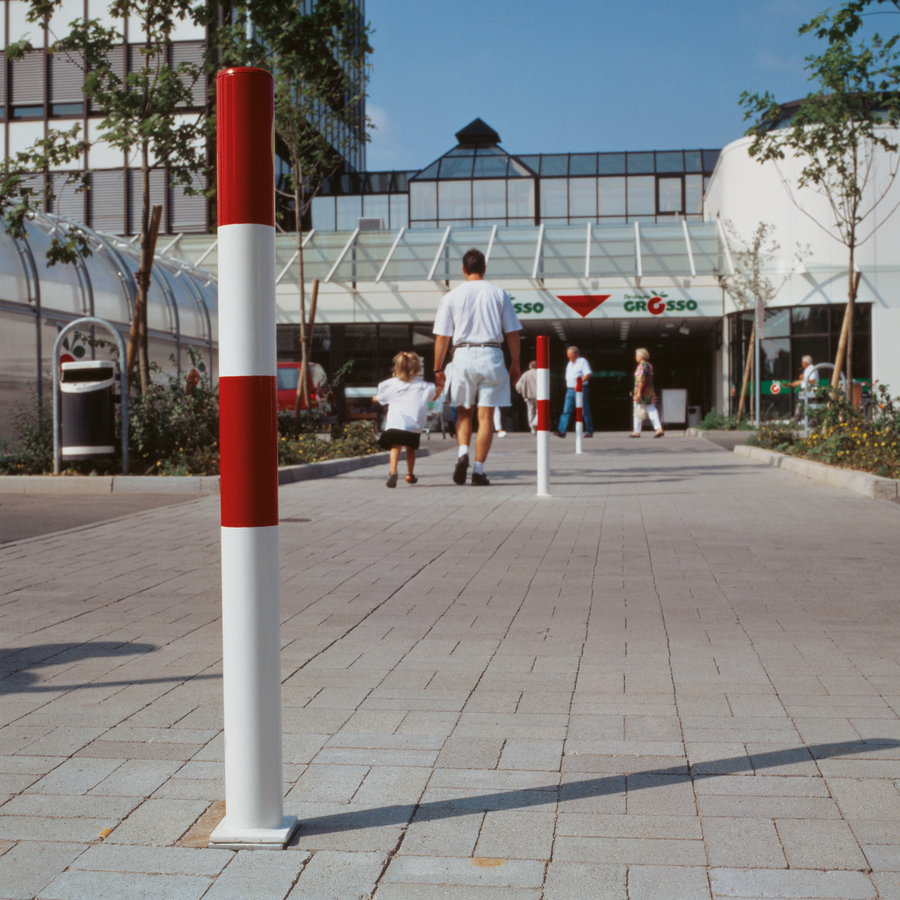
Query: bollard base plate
227, 837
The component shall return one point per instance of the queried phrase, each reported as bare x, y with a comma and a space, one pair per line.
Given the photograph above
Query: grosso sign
657, 304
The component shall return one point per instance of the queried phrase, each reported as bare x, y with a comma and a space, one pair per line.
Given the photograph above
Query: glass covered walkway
37, 300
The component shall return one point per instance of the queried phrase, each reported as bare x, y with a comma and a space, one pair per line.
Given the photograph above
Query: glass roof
182, 301
670, 249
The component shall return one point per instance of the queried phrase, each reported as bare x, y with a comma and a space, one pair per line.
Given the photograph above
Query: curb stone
199, 485
863, 483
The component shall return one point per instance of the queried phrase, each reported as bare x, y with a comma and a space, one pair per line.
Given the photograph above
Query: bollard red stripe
245, 164
248, 448
543, 351
543, 415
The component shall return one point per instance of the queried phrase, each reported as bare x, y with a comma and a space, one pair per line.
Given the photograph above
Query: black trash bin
88, 426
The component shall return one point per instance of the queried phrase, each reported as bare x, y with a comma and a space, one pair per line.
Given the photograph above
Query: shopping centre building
609, 251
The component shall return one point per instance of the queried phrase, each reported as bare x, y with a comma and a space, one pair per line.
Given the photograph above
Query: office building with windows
44, 91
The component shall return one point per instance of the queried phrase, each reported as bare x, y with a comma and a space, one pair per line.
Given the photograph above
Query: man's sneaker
459, 472
561, 434
479, 478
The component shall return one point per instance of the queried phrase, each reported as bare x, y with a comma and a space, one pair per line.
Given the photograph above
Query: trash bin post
57, 398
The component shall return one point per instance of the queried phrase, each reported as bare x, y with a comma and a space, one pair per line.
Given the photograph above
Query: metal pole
543, 416
760, 319
248, 439
579, 413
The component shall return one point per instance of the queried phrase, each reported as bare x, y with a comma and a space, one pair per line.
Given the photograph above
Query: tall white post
248, 443
543, 416
579, 414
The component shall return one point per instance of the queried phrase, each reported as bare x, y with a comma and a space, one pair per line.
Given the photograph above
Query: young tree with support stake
836, 132
144, 102
749, 286
317, 60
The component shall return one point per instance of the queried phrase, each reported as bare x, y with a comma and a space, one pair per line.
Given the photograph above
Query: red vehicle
288, 376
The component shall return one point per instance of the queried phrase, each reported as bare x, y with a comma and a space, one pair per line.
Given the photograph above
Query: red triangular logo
583, 304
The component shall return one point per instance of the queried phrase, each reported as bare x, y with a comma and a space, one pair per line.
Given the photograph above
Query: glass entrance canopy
672, 250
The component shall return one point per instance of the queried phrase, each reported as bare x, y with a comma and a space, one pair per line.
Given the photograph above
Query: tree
317, 60
145, 104
27, 186
836, 132
748, 285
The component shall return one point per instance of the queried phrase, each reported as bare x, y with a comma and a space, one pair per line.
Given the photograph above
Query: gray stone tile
790, 884
568, 880
331, 875
83, 885
28, 867
422, 870
263, 874
671, 882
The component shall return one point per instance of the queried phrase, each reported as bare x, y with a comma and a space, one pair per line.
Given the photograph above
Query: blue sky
576, 75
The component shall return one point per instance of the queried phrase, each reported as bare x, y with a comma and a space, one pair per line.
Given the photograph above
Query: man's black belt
485, 344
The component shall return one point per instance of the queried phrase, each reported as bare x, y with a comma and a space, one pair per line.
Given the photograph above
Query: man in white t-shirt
476, 316
576, 368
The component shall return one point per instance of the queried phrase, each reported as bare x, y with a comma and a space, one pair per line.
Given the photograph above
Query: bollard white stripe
246, 300
252, 677
542, 384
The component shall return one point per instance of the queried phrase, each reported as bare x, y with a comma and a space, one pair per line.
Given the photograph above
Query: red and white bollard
248, 443
579, 413
543, 416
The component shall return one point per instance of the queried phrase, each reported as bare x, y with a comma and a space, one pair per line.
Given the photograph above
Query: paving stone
421, 870
671, 882
29, 866
659, 852
791, 884
469, 706
82, 885
339, 875
261, 874
570, 880
743, 843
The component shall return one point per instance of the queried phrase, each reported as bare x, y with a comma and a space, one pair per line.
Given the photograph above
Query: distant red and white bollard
579, 413
248, 443
543, 416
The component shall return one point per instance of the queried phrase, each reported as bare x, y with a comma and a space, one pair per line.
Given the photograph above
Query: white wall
746, 192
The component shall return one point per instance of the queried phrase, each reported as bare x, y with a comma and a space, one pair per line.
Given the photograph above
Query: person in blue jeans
577, 366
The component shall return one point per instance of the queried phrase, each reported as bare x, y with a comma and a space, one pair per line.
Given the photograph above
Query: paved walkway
676, 678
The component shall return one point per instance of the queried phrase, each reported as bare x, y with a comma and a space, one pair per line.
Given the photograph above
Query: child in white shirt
406, 396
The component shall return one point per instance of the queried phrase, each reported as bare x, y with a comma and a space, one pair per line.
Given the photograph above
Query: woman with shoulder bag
644, 395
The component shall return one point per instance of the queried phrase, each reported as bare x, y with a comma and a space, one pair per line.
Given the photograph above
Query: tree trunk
138, 344
747, 364
845, 343
303, 383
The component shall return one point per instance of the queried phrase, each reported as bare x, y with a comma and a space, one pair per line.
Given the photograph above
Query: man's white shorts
478, 372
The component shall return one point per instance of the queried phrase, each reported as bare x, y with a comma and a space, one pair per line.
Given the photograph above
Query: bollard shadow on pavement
403, 814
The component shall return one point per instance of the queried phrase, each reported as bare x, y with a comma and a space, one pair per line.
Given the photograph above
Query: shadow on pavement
581, 790
18, 665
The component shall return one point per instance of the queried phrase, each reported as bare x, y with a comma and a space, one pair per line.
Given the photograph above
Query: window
641, 196
554, 198
489, 199
612, 196
423, 201
454, 200
583, 197
669, 195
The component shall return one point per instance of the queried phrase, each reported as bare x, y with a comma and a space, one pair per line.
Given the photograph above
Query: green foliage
349, 440
842, 435
716, 421
25, 188
31, 453
173, 429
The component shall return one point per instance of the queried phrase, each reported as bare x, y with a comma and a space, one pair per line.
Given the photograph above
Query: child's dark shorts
397, 436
